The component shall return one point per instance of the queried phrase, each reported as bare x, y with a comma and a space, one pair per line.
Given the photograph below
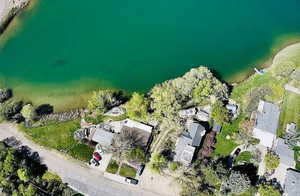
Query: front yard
60, 137
125, 170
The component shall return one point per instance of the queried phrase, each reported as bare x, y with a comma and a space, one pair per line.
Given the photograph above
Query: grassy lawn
290, 111
225, 146
244, 157
60, 137
112, 167
127, 171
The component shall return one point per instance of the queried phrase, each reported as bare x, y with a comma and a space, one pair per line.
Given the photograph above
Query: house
286, 155
194, 112
292, 183
266, 123
101, 136
187, 143
140, 130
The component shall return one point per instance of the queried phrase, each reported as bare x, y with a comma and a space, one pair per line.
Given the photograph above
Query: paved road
86, 180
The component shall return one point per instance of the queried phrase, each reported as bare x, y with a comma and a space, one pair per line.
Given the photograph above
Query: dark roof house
187, 143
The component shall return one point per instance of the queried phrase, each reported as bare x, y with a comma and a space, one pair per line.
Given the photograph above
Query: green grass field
127, 171
290, 111
112, 167
245, 156
60, 137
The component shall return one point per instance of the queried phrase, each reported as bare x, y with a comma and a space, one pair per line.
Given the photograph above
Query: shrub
271, 161
173, 166
265, 190
237, 183
137, 154
219, 113
157, 163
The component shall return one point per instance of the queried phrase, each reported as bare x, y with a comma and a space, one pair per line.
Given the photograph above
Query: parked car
97, 156
141, 169
99, 149
12, 142
94, 162
237, 152
131, 180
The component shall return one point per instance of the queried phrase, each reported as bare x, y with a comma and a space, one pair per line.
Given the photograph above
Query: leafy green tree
271, 161
102, 100
203, 91
137, 107
137, 154
23, 174
157, 163
219, 113
265, 190
9, 163
211, 176
28, 112
29, 191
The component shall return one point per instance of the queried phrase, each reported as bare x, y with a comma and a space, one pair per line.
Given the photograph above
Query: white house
266, 124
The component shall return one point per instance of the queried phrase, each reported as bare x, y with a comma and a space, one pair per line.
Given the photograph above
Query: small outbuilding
285, 154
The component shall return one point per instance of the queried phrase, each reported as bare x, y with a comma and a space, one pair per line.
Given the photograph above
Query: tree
203, 90
9, 163
265, 190
157, 163
137, 107
173, 166
124, 142
102, 100
28, 112
219, 113
271, 161
237, 183
23, 175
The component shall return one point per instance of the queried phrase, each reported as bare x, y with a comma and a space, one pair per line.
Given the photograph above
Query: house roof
103, 137
195, 133
184, 151
134, 124
267, 117
291, 128
187, 143
286, 155
292, 183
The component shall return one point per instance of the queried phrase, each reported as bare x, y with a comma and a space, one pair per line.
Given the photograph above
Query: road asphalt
85, 180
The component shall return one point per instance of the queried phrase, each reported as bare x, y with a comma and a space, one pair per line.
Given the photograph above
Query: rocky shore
8, 9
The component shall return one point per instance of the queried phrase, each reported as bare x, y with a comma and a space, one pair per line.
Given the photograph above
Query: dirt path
84, 179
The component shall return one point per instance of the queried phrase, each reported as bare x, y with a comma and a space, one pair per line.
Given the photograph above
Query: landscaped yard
245, 156
290, 111
127, 171
60, 137
112, 167
225, 146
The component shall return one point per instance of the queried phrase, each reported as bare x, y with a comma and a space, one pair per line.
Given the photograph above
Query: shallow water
134, 44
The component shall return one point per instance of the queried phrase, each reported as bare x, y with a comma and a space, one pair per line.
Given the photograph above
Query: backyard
290, 111
60, 137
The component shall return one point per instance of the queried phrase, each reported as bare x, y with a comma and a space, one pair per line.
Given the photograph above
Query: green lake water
135, 44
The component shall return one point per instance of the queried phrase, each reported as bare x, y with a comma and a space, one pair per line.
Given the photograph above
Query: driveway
80, 177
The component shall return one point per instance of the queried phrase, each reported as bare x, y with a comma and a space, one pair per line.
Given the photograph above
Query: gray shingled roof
292, 183
103, 137
286, 155
267, 117
187, 142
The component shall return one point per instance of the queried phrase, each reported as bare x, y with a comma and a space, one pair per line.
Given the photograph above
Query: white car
99, 149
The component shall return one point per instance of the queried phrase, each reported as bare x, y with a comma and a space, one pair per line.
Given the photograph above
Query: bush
219, 113
157, 163
265, 190
173, 166
271, 161
237, 183
137, 155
